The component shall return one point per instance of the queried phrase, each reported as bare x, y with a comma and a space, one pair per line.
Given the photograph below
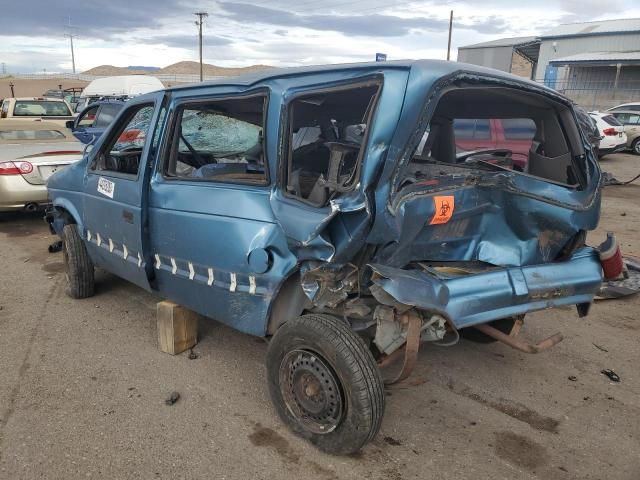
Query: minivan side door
114, 187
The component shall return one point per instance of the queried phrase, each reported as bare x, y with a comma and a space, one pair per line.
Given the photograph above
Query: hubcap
311, 391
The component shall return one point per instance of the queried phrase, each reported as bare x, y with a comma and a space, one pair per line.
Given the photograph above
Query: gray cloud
91, 19
184, 41
378, 25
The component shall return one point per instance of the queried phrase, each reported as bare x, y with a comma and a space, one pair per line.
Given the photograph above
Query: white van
122, 86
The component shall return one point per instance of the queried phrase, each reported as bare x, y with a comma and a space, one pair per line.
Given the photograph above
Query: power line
71, 35
201, 16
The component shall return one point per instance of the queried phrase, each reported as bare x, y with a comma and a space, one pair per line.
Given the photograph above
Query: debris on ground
55, 247
192, 355
608, 179
173, 398
600, 347
628, 285
613, 376
573, 378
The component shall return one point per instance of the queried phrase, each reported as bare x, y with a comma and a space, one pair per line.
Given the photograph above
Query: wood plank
177, 327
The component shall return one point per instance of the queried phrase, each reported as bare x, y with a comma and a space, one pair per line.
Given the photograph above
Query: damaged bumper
477, 298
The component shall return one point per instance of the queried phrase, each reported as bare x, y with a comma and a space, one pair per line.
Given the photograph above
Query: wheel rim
636, 147
311, 391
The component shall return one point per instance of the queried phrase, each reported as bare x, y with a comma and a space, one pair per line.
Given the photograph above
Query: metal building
597, 64
517, 55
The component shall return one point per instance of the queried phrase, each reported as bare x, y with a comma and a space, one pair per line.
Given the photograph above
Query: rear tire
325, 384
78, 265
635, 146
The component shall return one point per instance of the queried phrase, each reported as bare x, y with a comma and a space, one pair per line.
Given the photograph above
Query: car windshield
40, 108
31, 135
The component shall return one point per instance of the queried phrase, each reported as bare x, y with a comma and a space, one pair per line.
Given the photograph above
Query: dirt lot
82, 388
35, 88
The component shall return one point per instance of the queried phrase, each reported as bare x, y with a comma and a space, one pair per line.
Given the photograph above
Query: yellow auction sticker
444, 206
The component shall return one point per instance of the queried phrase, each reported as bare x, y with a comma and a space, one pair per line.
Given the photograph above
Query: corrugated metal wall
492, 57
573, 45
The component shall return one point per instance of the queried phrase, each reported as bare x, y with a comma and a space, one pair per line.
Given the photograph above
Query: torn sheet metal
496, 293
630, 285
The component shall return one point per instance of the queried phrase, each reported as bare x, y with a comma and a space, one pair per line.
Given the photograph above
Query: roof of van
122, 85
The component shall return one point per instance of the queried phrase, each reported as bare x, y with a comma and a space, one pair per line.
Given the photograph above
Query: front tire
635, 146
78, 265
325, 384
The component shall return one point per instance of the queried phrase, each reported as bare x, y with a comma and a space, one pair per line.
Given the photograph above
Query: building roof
600, 58
502, 42
625, 25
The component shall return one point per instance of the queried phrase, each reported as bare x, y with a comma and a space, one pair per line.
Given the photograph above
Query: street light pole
201, 16
450, 28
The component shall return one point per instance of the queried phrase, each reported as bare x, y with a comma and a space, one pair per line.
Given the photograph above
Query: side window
88, 117
220, 140
122, 152
483, 130
463, 128
634, 119
106, 115
518, 128
326, 136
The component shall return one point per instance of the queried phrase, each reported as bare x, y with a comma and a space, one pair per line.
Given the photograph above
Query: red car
514, 134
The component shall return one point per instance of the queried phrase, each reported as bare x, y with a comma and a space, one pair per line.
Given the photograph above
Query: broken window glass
220, 140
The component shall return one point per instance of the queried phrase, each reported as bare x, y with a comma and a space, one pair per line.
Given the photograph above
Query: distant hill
110, 70
179, 68
188, 67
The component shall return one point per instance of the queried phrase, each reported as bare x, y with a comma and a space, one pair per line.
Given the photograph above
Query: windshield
40, 108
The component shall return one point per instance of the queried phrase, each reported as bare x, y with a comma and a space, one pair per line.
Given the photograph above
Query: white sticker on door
106, 187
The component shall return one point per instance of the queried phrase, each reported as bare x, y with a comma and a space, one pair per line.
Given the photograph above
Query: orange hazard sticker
444, 209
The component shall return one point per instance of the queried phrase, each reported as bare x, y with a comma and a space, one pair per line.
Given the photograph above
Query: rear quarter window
611, 120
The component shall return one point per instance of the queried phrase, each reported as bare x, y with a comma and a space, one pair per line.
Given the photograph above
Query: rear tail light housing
15, 168
610, 132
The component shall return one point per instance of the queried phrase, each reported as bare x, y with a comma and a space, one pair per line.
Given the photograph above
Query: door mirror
69, 124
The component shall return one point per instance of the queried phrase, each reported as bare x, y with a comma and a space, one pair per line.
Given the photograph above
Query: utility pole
71, 35
201, 16
450, 28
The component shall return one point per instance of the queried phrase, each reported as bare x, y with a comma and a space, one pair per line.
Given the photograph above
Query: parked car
36, 108
631, 107
335, 216
30, 152
118, 87
589, 128
94, 119
613, 139
630, 121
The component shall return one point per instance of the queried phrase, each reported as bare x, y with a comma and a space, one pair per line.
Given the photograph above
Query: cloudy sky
274, 32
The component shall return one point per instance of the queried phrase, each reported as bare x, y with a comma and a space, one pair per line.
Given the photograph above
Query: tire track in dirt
54, 292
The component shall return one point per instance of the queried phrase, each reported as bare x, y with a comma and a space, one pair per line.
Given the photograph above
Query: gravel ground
83, 384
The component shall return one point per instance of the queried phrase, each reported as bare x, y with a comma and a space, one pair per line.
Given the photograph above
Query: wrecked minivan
335, 211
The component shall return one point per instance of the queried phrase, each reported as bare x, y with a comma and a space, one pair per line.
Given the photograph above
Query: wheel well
289, 303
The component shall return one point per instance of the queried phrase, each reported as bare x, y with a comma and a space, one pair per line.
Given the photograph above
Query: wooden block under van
177, 327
